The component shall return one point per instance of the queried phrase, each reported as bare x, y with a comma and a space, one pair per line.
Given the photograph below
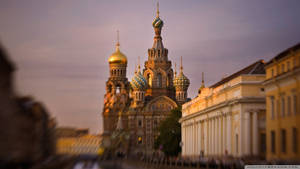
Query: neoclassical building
227, 118
138, 106
282, 87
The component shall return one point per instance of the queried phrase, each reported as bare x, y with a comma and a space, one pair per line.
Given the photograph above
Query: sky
61, 47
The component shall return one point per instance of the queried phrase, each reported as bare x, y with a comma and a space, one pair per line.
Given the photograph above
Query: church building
137, 107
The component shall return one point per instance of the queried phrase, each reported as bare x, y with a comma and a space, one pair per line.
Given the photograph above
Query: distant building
70, 132
227, 118
282, 88
84, 144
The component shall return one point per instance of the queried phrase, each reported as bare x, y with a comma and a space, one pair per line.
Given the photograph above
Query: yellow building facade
282, 88
87, 144
227, 118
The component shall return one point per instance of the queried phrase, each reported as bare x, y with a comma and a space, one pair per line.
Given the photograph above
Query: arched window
149, 79
109, 88
118, 89
159, 80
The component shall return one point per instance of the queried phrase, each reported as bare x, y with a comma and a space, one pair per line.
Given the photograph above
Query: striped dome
157, 23
138, 82
181, 82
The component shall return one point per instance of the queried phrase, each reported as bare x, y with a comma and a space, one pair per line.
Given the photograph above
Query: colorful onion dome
117, 57
138, 82
157, 23
181, 82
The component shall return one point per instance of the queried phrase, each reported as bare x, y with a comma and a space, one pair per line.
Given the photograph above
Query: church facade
137, 107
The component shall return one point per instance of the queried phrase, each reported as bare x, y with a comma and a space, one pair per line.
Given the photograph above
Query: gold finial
135, 69
181, 67
157, 10
139, 66
175, 73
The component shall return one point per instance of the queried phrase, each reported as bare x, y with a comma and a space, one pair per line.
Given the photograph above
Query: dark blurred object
26, 131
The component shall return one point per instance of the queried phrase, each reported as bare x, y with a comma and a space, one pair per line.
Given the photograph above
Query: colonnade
221, 135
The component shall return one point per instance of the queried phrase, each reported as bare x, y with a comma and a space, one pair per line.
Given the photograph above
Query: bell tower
116, 98
158, 69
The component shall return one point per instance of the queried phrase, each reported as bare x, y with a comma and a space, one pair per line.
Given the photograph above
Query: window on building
140, 124
288, 66
282, 68
295, 140
273, 146
159, 80
283, 140
272, 107
294, 62
140, 140
289, 105
149, 79
278, 108
118, 89
272, 72
155, 123
282, 106
295, 104
263, 146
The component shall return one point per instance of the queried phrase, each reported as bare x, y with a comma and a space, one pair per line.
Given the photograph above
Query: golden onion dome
117, 57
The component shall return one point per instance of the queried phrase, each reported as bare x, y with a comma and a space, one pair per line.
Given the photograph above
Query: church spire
139, 66
181, 67
118, 41
157, 10
175, 71
202, 83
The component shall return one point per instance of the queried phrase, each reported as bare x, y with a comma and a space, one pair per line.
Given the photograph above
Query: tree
170, 134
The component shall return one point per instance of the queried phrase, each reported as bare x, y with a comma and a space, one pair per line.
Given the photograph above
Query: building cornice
224, 104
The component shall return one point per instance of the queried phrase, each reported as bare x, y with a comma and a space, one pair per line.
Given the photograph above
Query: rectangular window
272, 108
288, 65
283, 140
289, 105
282, 68
263, 143
278, 108
272, 72
140, 124
295, 100
273, 146
282, 106
295, 140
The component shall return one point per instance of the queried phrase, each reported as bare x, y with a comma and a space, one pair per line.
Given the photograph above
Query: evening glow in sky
61, 47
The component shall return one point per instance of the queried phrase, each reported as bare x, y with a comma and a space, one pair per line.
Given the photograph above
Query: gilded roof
117, 57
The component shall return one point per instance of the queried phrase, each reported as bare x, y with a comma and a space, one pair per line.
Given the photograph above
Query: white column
254, 134
247, 133
223, 134
182, 138
229, 134
200, 138
190, 139
214, 139
220, 137
216, 136
209, 137
205, 137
